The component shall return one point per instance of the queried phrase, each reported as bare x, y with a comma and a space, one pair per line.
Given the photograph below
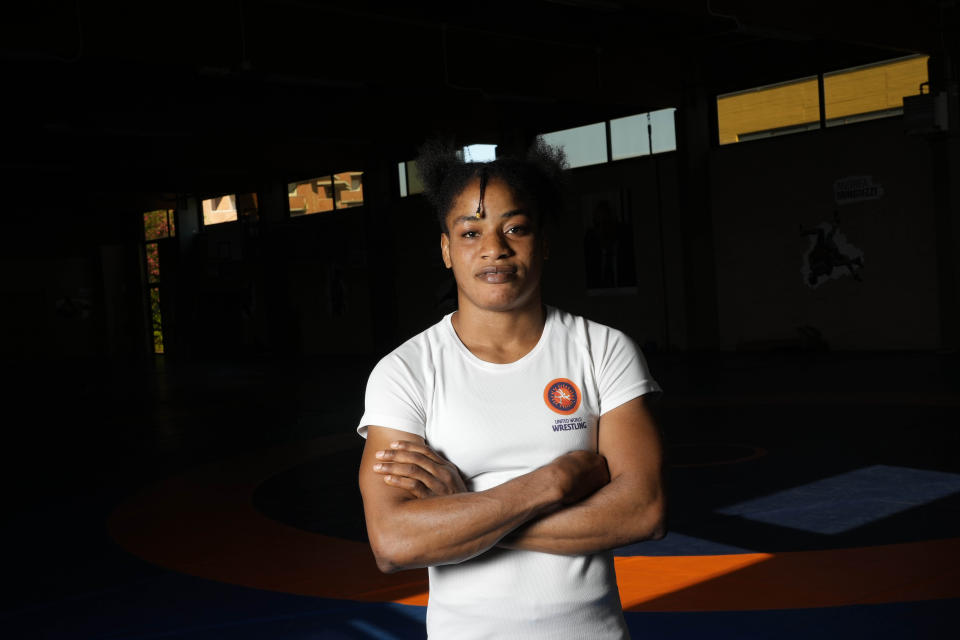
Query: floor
811, 494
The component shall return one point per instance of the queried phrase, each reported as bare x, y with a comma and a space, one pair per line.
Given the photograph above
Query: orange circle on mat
203, 523
562, 396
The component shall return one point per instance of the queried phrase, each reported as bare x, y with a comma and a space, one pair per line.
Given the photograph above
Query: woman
509, 446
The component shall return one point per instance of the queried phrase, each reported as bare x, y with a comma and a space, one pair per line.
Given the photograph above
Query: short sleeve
394, 398
622, 372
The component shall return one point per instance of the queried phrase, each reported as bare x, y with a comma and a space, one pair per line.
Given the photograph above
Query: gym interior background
214, 228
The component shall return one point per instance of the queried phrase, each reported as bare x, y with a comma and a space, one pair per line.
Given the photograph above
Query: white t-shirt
499, 421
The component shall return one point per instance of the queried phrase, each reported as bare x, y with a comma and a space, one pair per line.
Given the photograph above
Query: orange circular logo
562, 396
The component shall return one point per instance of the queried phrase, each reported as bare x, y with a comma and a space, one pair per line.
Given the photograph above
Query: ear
445, 249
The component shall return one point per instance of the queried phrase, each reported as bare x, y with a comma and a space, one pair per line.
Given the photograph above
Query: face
496, 258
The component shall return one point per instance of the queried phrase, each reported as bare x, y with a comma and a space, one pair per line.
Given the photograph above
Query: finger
414, 472
422, 449
410, 457
441, 476
448, 476
407, 484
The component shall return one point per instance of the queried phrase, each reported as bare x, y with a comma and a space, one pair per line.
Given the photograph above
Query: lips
497, 269
497, 274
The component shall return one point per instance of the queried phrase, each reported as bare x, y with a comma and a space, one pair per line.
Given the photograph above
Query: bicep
378, 496
629, 440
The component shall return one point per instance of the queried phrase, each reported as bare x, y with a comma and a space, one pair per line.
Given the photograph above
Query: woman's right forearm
453, 528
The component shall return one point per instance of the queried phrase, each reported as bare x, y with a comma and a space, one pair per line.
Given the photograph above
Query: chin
504, 303
498, 297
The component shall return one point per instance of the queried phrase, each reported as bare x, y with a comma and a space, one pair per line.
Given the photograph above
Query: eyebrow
505, 214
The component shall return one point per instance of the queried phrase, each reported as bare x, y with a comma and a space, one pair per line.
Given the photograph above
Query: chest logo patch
562, 396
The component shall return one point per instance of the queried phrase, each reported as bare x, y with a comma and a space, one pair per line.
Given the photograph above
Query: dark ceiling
156, 96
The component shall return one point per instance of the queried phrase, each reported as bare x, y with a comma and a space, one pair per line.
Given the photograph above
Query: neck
500, 336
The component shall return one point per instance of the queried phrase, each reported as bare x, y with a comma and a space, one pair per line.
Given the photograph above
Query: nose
495, 246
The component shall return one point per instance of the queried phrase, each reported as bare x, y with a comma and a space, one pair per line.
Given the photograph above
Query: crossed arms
419, 512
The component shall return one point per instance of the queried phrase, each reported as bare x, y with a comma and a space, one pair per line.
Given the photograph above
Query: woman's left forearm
626, 510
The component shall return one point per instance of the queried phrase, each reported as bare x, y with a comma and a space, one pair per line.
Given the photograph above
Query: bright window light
480, 153
629, 136
310, 196
220, 209
872, 91
679, 544
327, 193
664, 130
158, 224
849, 500
402, 170
584, 145
772, 110
410, 183
348, 189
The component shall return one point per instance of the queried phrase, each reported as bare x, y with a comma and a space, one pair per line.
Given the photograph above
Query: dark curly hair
536, 179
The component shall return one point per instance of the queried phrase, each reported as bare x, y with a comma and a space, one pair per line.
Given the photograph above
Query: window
849, 95
409, 176
410, 182
480, 153
584, 145
402, 169
663, 124
156, 319
342, 190
872, 91
347, 189
229, 208
643, 133
631, 136
767, 111
157, 225
219, 209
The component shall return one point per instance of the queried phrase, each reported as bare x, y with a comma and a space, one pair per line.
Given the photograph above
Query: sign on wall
856, 189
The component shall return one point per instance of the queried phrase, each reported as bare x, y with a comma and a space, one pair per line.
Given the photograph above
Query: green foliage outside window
153, 262
156, 320
158, 224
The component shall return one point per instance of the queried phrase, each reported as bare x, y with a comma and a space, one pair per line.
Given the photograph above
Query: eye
469, 234
518, 229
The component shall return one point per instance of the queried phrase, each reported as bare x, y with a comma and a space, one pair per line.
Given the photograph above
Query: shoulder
618, 362
594, 336
398, 388
423, 343
413, 356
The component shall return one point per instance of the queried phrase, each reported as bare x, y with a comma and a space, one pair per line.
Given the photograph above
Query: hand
581, 473
419, 470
